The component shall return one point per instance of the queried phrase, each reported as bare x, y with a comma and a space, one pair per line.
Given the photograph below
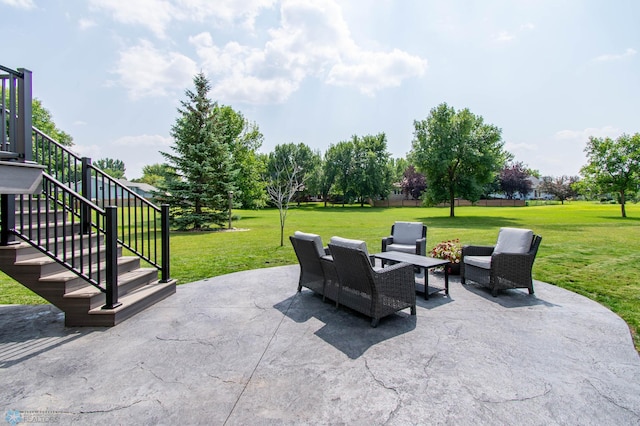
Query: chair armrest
421, 247
477, 251
386, 241
512, 266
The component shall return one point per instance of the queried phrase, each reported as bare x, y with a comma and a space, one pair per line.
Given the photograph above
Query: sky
549, 73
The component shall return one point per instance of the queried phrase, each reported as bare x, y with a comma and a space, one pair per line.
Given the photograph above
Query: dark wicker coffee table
423, 262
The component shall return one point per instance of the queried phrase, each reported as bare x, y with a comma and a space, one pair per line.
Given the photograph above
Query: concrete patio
245, 348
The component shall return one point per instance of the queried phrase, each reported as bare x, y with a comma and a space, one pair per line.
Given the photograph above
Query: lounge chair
506, 265
407, 237
375, 293
317, 272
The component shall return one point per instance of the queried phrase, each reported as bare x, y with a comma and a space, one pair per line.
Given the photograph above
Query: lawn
586, 247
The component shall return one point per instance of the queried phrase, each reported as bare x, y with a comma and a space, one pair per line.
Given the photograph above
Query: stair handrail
76, 176
88, 180
64, 246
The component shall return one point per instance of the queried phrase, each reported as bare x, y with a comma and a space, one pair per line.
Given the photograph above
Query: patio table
424, 263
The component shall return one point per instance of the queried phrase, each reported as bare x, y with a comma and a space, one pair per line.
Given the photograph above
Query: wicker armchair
317, 271
407, 237
508, 264
370, 292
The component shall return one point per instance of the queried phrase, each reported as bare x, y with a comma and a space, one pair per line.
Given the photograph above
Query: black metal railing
15, 112
83, 214
140, 226
51, 222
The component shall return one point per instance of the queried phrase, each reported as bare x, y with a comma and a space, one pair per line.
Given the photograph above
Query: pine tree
198, 191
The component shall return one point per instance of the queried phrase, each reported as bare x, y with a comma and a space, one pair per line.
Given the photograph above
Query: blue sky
548, 73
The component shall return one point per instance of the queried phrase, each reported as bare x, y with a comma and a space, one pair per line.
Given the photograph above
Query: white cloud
228, 11
507, 36
145, 71
144, 141
372, 71
615, 57
583, 135
90, 151
20, 4
520, 147
504, 36
156, 15
85, 24
313, 40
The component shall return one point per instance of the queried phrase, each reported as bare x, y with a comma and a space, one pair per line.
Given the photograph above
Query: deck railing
89, 202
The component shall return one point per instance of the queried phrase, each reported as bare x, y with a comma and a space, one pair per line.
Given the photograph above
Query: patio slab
246, 348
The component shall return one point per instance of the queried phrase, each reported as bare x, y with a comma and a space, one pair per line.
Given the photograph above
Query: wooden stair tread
68, 275
134, 297
89, 290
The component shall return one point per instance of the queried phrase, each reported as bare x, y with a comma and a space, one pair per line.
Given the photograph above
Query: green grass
586, 247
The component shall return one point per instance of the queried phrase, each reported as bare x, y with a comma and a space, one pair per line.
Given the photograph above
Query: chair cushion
514, 240
483, 262
407, 233
405, 248
311, 237
354, 244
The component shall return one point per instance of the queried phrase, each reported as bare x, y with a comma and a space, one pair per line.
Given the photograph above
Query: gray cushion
311, 237
514, 240
354, 244
407, 233
483, 262
405, 248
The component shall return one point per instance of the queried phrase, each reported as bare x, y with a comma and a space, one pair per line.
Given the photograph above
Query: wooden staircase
82, 303
66, 244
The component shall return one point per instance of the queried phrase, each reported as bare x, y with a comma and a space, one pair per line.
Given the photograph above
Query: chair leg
531, 290
413, 310
299, 288
494, 292
374, 322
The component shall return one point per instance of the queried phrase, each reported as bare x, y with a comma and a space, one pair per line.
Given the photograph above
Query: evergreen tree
204, 175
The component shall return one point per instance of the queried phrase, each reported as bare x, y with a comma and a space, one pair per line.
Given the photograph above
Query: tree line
454, 154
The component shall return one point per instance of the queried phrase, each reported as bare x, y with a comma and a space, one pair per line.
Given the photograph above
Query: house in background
142, 189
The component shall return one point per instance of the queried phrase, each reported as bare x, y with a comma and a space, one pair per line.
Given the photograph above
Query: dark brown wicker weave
508, 270
317, 273
373, 293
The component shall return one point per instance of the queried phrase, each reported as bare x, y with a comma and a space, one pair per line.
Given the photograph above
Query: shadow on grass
348, 331
620, 218
474, 222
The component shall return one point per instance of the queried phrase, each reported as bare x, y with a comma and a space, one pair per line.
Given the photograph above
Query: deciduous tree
413, 183
284, 182
155, 174
562, 187
458, 153
113, 167
514, 180
613, 165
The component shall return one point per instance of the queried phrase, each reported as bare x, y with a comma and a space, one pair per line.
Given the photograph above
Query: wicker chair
317, 271
407, 237
370, 292
508, 264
